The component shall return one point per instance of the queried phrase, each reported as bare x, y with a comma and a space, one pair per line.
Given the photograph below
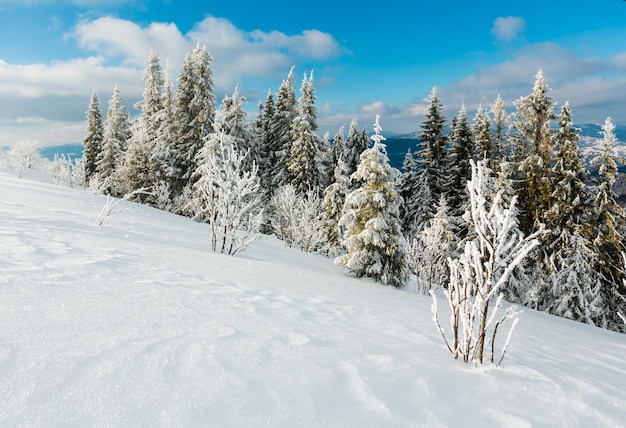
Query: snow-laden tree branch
479, 273
112, 203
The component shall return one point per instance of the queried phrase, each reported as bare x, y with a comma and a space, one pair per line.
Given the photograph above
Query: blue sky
368, 59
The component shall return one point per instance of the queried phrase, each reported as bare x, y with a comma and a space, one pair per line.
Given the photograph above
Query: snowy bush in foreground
478, 274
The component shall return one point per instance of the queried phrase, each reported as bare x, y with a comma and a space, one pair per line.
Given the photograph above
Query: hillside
138, 323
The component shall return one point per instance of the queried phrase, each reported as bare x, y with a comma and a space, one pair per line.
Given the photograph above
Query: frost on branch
476, 277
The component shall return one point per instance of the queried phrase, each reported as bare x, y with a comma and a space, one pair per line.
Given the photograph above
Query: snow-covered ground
138, 323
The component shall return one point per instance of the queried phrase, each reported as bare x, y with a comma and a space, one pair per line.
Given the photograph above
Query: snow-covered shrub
297, 218
24, 155
60, 169
78, 174
477, 276
226, 196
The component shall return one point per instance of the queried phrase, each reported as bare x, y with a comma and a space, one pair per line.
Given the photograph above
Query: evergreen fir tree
569, 206
326, 162
355, 144
338, 148
483, 138
164, 148
114, 142
152, 102
286, 104
533, 154
92, 143
304, 163
608, 223
408, 191
459, 171
500, 130
269, 159
432, 156
432, 247
373, 236
575, 291
135, 171
194, 114
332, 209
235, 126
138, 171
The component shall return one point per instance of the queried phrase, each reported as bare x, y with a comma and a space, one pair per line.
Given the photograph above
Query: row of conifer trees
341, 197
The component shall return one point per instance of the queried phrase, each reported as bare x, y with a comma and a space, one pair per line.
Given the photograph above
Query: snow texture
138, 323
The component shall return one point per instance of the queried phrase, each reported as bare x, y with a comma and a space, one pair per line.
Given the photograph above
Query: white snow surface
138, 323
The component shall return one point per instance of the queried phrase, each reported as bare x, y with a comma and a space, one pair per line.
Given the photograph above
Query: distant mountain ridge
398, 144
590, 133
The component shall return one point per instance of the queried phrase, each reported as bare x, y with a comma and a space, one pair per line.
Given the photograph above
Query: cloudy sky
381, 58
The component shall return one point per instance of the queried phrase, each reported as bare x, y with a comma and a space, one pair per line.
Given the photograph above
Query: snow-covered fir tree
431, 248
408, 192
483, 138
305, 160
285, 113
432, 153
569, 202
138, 171
338, 148
326, 161
575, 290
269, 157
114, 143
458, 171
373, 236
92, 143
235, 126
355, 144
163, 146
151, 104
533, 153
500, 125
332, 209
609, 227
194, 114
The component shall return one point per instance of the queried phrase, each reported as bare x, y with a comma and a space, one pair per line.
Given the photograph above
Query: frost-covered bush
297, 218
226, 195
477, 276
24, 155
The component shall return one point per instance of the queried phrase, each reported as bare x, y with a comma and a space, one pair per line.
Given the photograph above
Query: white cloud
119, 50
236, 54
508, 28
118, 38
75, 77
514, 78
381, 108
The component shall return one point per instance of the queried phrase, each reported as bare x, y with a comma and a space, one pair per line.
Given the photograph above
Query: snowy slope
137, 323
